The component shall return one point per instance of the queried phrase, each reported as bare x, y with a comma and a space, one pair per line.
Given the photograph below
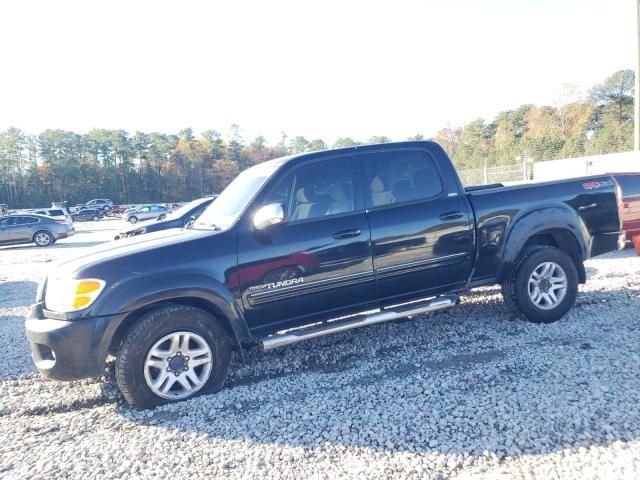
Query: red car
118, 209
630, 206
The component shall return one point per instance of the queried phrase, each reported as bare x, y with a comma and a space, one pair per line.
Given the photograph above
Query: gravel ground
465, 393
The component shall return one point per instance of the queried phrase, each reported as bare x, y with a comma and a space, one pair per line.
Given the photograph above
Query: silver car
30, 228
147, 212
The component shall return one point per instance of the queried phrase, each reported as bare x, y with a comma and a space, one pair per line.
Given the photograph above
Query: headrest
305, 195
377, 185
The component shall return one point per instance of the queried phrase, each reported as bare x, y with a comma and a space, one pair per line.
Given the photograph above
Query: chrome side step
390, 313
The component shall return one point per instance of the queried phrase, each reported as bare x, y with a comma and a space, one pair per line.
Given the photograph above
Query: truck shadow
17, 294
454, 382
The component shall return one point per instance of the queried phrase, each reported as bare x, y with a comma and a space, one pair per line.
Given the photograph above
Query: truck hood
125, 247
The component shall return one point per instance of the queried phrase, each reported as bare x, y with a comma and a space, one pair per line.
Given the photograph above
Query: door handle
354, 232
451, 215
587, 207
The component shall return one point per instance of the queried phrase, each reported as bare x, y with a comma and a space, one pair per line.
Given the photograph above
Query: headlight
71, 295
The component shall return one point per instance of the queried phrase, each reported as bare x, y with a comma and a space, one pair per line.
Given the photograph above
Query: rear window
630, 184
56, 213
26, 220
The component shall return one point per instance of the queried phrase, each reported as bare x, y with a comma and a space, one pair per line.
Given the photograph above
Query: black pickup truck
300, 247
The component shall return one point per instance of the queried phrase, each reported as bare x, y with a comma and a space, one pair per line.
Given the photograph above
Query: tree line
156, 167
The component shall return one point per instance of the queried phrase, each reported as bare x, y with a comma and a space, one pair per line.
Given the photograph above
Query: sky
321, 69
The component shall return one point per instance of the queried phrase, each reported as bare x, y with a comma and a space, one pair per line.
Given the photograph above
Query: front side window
400, 176
316, 190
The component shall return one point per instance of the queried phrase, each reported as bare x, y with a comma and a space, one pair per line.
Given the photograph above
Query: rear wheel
543, 285
43, 238
170, 354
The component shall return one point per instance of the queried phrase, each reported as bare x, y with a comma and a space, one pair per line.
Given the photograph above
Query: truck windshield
222, 213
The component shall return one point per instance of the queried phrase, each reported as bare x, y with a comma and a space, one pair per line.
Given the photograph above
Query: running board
384, 315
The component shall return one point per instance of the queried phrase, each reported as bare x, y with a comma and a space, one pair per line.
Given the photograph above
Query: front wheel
543, 285
133, 219
170, 354
95, 218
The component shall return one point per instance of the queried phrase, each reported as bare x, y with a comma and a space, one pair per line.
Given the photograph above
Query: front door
421, 229
317, 263
6, 231
24, 228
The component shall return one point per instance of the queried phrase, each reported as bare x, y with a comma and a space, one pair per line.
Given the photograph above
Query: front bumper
67, 350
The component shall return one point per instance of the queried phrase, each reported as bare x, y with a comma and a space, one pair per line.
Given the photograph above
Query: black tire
162, 217
515, 288
133, 219
43, 238
148, 330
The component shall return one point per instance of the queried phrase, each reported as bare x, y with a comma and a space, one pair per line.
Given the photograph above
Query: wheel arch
33, 238
217, 302
555, 227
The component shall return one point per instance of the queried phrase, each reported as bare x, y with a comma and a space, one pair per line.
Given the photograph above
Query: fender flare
141, 292
538, 221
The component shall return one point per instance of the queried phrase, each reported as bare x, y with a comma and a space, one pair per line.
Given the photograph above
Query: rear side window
400, 176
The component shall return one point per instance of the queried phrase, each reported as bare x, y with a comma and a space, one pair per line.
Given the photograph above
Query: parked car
379, 232
148, 212
32, 228
630, 204
56, 213
100, 203
87, 214
118, 209
62, 206
177, 219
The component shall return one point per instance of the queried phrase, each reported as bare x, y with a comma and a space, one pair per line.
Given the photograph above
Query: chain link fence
501, 173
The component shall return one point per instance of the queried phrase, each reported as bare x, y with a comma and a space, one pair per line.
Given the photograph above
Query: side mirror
268, 215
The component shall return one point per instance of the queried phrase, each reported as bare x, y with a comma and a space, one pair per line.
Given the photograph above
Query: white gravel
466, 393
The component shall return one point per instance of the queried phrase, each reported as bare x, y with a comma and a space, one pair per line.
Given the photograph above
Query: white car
56, 213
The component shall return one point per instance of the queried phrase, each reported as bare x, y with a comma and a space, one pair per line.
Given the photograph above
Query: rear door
318, 262
421, 229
